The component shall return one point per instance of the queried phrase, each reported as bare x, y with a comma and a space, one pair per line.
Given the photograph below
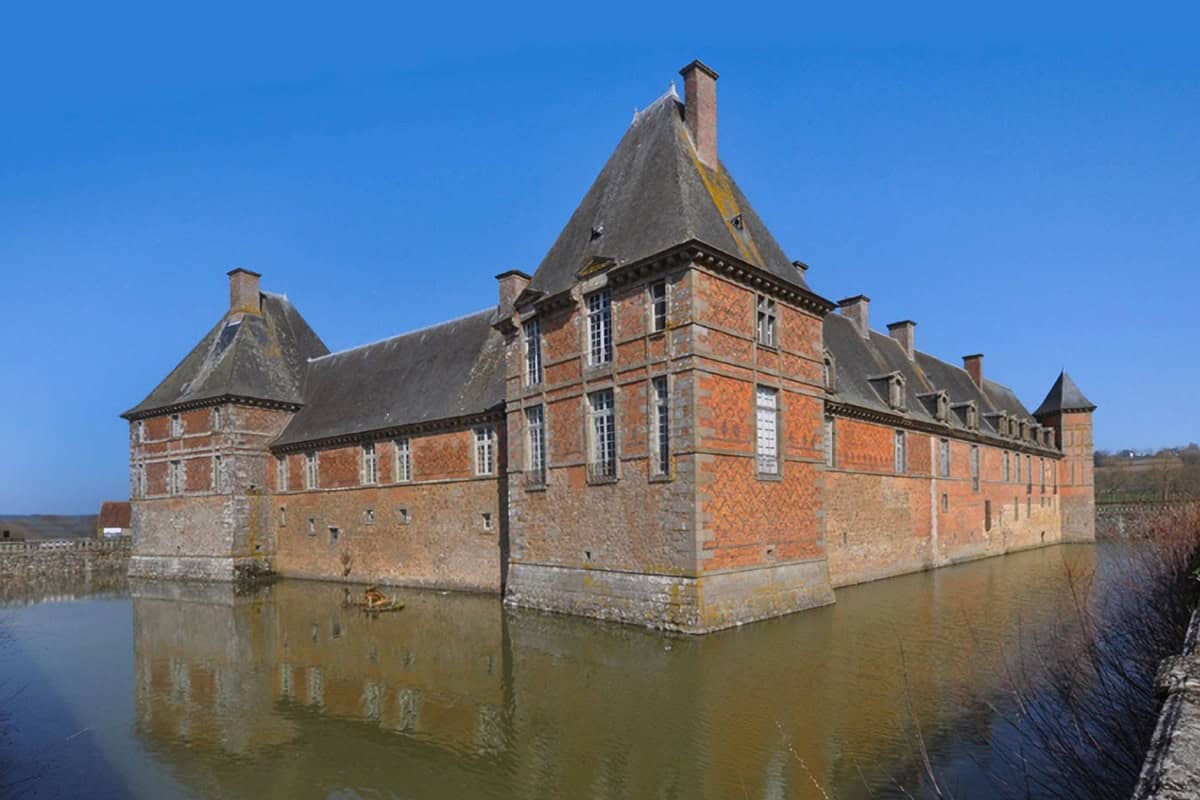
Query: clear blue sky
1025, 184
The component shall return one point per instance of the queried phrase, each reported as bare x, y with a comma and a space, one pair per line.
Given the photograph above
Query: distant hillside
35, 527
1169, 474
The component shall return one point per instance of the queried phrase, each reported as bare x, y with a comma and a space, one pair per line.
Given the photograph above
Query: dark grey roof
449, 370
859, 362
654, 194
1064, 395
259, 356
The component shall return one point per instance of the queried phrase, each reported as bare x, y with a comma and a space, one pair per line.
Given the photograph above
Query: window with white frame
176, 425
137, 480
600, 339
281, 473
767, 434
1042, 470
658, 306
370, 464
944, 458
767, 333
1004, 466
310, 470
975, 467
533, 351
602, 438
485, 450
1016, 467
404, 470
900, 453
141, 430
661, 427
1028, 474
216, 418
218, 476
535, 426
830, 442
175, 477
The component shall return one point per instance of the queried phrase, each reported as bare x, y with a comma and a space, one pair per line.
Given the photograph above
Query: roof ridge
489, 310
669, 94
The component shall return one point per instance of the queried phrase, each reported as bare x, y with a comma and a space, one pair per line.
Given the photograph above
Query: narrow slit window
533, 352
767, 322
600, 339
370, 464
218, 468
767, 435
658, 306
662, 427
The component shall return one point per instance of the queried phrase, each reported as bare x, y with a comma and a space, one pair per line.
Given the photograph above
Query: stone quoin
663, 425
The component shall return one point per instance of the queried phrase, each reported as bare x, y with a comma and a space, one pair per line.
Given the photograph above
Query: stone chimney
905, 332
855, 309
512, 283
974, 367
700, 109
244, 291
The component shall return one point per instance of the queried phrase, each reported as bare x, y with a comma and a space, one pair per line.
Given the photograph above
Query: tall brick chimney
974, 366
244, 291
855, 309
700, 109
512, 283
905, 332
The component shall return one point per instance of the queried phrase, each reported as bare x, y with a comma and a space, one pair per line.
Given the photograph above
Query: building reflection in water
283, 692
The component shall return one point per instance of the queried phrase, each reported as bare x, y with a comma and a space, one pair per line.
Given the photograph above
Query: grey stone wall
1130, 520
63, 557
1172, 767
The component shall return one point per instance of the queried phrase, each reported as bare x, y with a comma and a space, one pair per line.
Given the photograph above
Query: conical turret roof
654, 194
1064, 396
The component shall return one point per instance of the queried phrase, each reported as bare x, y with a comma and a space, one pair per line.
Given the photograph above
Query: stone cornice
206, 402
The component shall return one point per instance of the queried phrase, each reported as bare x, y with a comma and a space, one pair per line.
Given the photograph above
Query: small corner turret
1068, 415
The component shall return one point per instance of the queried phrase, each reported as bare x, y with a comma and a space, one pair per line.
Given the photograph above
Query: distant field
36, 527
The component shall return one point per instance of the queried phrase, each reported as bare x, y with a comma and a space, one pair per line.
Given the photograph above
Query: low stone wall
1172, 767
61, 557
1127, 520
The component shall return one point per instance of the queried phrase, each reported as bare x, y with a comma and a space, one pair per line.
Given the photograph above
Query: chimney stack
855, 309
974, 367
905, 333
512, 283
700, 109
244, 291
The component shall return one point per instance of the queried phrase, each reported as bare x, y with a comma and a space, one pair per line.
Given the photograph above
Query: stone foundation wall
63, 557
1172, 767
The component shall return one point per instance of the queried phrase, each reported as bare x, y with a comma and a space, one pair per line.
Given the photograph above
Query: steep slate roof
255, 356
449, 370
857, 361
654, 194
1064, 395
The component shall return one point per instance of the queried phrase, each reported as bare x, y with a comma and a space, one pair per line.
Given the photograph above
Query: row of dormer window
599, 346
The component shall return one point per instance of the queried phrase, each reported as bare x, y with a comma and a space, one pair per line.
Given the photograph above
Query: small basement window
334, 533
312, 526
369, 516
487, 520
404, 516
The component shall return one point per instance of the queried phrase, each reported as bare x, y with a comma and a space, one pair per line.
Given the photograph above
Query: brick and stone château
663, 425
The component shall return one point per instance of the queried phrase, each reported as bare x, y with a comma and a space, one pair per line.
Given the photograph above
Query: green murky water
174, 690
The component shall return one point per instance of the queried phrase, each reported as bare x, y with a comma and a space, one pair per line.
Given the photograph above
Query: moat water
171, 690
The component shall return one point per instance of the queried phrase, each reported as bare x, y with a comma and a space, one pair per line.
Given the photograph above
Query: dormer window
830, 373
943, 407
972, 417
896, 394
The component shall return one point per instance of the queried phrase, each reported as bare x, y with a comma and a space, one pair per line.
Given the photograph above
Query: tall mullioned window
310, 470
137, 480
218, 476
141, 430
944, 458
602, 442
900, 453
1042, 470
661, 432
600, 338
404, 470
533, 352
175, 477
1004, 466
1028, 474
658, 306
216, 418
281, 473
830, 442
767, 322
370, 464
766, 401
485, 450
535, 426
975, 467
176, 425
